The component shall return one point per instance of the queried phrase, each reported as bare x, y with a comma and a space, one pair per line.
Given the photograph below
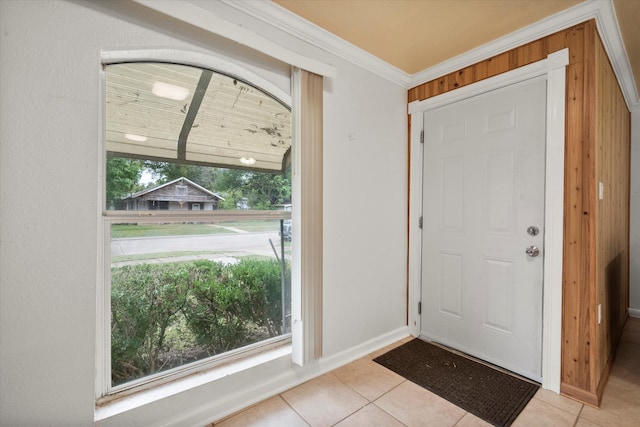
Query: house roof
175, 181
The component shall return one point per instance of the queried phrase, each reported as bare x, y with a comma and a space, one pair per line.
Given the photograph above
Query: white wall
634, 259
49, 209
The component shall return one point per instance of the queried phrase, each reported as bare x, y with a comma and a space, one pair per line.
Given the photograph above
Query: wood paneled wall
613, 143
573, 38
596, 232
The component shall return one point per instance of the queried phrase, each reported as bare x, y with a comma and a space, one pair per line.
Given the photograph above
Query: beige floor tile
632, 337
586, 423
624, 379
470, 420
613, 412
632, 324
542, 414
564, 403
324, 401
624, 385
341, 397
631, 331
368, 378
416, 406
369, 416
390, 347
272, 412
627, 357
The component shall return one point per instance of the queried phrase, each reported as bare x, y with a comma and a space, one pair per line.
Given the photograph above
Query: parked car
286, 230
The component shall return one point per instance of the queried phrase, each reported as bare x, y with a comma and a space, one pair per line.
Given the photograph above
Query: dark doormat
495, 396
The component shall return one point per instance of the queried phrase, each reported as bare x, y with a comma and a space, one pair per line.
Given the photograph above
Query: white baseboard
634, 312
264, 388
347, 356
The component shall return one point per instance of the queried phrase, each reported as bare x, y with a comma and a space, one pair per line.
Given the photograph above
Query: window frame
104, 391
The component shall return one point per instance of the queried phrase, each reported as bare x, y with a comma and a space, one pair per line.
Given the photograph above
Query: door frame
554, 68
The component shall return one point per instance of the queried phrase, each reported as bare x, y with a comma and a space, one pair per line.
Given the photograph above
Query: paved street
231, 244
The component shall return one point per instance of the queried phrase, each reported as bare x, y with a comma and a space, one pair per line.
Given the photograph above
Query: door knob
532, 251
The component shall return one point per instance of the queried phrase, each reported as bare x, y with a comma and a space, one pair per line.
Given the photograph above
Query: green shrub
215, 314
261, 281
145, 299
213, 306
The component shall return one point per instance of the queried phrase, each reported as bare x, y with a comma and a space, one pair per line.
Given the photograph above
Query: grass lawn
157, 255
137, 257
256, 226
123, 231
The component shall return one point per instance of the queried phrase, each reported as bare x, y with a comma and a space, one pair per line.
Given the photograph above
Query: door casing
554, 69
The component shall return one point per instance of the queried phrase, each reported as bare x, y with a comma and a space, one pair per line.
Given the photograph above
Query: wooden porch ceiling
177, 113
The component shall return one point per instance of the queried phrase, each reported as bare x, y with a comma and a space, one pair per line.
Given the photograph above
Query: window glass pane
183, 292
184, 285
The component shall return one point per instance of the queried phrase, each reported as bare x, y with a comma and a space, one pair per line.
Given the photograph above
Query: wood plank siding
612, 149
596, 232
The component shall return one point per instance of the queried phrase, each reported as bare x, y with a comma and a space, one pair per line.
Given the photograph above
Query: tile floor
364, 393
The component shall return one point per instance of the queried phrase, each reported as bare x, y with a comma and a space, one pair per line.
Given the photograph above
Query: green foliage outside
122, 179
262, 190
167, 315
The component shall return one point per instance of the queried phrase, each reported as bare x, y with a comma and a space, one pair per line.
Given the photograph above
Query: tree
262, 189
268, 190
122, 178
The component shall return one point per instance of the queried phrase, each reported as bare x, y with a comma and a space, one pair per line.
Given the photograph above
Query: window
210, 278
181, 190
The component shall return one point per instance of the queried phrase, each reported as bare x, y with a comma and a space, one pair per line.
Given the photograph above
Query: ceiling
183, 114
414, 35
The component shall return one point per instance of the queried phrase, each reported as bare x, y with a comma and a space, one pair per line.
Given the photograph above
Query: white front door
483, 188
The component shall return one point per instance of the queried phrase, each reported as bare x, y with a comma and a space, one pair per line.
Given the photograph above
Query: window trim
313, 172
193, 59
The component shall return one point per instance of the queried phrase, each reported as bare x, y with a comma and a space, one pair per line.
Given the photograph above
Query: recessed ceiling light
170, 91
134, 137
247, 160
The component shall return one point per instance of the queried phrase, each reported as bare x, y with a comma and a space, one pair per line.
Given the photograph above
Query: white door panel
483, 187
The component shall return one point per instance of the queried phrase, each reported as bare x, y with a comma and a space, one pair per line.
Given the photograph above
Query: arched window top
187, 114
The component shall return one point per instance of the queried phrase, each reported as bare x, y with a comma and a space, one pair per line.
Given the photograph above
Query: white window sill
144, 397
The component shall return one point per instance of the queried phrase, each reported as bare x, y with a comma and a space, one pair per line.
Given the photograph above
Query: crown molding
572, 16
609, 31
600, 10
298, 27
192, 14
